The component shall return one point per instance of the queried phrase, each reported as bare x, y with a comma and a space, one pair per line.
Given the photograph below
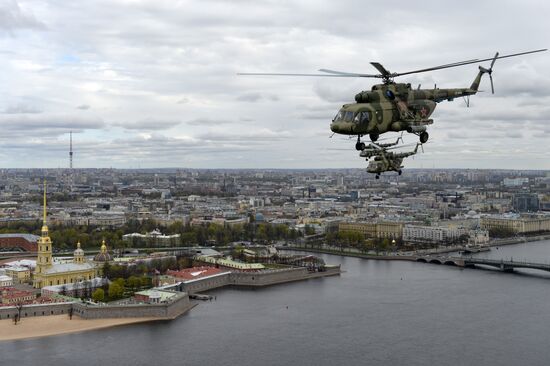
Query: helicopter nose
337, 127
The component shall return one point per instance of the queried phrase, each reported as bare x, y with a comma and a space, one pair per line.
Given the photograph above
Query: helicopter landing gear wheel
424, 137
373, 137
359, 146
399, 171
377, 176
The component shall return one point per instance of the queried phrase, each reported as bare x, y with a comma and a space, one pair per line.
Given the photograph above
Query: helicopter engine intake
367, 97
362, 97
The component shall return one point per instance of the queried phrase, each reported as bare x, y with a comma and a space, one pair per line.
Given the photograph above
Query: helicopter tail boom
475, 84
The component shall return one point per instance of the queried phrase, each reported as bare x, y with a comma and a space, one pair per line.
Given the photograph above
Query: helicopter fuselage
382, 164
392, 107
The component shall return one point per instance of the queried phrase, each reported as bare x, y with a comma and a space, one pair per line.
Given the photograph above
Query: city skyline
145, 85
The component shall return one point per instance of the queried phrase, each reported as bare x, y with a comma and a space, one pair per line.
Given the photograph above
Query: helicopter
373, 149
386, 161
394, 107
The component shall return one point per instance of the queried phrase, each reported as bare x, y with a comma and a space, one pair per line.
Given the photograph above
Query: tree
106, 270
133, 282
99, 295
146, 281
115, 290
120, 282
309, 230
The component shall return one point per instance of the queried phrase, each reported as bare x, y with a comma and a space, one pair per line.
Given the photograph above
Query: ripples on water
376, 313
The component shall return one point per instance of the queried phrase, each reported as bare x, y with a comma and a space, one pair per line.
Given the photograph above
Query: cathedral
48, 273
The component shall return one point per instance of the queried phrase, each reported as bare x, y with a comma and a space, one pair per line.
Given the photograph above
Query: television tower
71, 151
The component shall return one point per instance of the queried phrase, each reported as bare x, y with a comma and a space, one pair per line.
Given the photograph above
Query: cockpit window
361, 117
340, 115
348, 117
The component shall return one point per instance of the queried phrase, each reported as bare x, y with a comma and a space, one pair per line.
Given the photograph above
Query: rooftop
157, 293
195, 273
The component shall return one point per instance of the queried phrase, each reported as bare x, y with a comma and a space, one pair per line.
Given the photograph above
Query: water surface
376, 313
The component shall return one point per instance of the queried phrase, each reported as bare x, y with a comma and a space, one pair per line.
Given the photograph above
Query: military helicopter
373, 149
394, 107
386, 161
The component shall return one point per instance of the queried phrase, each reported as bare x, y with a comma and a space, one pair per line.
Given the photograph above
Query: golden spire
44, 226
103, 246
78, 245
44, 202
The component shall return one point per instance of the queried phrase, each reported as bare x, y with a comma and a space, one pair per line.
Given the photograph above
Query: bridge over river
505, 266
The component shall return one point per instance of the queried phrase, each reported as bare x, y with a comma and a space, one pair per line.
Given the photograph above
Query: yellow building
48, 273
382, 229
18, 274
519, 225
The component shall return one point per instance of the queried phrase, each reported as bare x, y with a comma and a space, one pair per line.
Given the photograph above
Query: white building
479, 237
6, 281
515, 182
432, 234
155, 238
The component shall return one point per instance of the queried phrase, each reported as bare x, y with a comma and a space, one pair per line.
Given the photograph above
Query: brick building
24, 242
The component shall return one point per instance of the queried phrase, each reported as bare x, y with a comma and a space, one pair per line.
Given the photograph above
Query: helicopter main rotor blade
349, 74
283, 74
378, 66
461, 63
492, 87
386, 75
454, 64
329, 73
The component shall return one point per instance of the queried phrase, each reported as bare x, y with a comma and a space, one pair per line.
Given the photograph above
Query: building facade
433, 234
48, 273
518, 225
382, 229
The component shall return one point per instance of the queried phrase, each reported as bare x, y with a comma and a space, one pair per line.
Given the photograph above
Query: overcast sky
153, 83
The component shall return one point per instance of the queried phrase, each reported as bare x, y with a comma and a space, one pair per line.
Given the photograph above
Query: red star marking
423, 112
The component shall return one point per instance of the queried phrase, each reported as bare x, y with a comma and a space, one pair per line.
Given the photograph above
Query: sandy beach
42, 326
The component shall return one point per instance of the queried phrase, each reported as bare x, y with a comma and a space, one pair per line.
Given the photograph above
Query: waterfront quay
438, 258
253, 279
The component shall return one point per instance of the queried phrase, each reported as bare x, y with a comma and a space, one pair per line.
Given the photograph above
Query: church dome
78, 251
103, 255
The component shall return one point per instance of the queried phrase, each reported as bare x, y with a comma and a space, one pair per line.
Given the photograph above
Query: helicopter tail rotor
490, 72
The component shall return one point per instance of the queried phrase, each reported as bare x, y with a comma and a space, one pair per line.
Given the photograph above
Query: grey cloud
32, 122
83, 107
207, 122
22, 108
256, 97
333, 94
249, 136
148, 124
13, 18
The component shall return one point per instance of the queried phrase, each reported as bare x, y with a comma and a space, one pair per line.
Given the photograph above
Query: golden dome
103, 255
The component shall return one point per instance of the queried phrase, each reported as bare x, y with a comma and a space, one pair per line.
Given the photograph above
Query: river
376, 313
